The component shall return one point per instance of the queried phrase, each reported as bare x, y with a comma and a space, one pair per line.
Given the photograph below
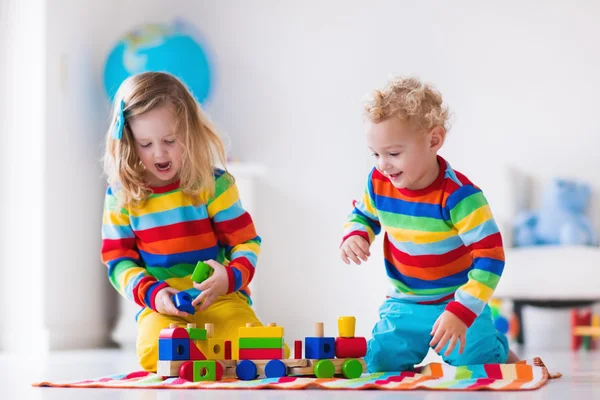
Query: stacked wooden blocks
261, 343
191, 353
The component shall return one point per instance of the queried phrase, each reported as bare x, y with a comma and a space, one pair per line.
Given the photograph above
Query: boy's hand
353, 248
448, 327
213, 287
164, 303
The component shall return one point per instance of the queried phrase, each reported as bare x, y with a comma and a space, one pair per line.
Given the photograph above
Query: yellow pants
228, 313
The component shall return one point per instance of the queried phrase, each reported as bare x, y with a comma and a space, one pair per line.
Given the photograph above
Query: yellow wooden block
212, 348
261, 332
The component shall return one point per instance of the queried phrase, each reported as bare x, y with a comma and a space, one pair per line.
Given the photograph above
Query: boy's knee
384, 356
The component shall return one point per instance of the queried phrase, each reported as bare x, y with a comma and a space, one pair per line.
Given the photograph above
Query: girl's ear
437, 136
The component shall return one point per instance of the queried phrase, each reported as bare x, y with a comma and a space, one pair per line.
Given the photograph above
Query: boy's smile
405, 153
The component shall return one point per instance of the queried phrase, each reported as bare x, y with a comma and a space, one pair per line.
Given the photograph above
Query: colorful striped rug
525, 375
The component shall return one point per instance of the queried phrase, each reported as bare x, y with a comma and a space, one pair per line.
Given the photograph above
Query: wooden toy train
195, 355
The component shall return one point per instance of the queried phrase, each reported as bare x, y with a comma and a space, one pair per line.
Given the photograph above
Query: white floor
581, 380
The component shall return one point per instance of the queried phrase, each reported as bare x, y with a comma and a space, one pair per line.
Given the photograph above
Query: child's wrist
150, 298
463, 313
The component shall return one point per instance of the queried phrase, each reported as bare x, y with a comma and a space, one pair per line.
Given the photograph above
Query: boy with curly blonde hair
443, 250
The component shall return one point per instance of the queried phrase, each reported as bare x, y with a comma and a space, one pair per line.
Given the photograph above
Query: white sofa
543, 276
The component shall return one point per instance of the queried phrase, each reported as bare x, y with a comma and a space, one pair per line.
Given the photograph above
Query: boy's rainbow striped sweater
158, 244
441, 243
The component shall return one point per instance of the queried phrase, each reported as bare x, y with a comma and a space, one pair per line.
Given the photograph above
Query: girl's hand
448, 327
353, 248
164, 303
213, 287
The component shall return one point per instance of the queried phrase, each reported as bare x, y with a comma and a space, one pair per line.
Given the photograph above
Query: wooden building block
346, 326
196, 333
183, 302
186, 371
261, 332
208, 370
212, 348
354, 347
298, 349
174, 349
173, 332
261, 343
195, 352
201, 272
228, 349
260, 354
168, 368
319, 347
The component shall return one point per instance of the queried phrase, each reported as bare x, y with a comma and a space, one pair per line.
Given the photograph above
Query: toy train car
194, 355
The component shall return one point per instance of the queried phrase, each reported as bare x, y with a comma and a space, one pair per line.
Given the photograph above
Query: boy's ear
437, 135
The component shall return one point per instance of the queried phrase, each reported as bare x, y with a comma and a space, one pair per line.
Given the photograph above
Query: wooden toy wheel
275, 369
246, 370
324, 369
352, 369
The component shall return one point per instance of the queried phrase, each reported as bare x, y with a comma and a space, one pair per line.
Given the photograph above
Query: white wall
519, 77
22, 129
77, 115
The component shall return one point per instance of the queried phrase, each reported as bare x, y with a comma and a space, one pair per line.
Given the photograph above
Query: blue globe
174, 48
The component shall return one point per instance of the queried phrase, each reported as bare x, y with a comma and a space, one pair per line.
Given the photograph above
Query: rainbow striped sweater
158, 244
441, 243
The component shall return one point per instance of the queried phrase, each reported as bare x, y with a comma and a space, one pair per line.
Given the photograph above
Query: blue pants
402, 335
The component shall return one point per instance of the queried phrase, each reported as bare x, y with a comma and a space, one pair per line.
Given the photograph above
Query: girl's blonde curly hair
202, 147
409, 99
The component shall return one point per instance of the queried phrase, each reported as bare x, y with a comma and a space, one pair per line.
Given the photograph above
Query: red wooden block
174, 333
186, 371
355, 347
228, 349
219, 370
298, 349
575, 340
195, 352
261, 354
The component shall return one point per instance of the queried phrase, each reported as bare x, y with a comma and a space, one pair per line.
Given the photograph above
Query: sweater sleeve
119, 253
235, 230
470, 214
363, 221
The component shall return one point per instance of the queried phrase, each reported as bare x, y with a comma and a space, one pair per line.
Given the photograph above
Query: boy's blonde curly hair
411, 100
202, 146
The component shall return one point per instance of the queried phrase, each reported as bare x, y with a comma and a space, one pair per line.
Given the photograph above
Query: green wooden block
587, 343
261, 343
201, 272
205, 370
197, 333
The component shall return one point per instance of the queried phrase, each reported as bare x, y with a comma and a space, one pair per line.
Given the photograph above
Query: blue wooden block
174, 349
183, 302
246, 370
318, 348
